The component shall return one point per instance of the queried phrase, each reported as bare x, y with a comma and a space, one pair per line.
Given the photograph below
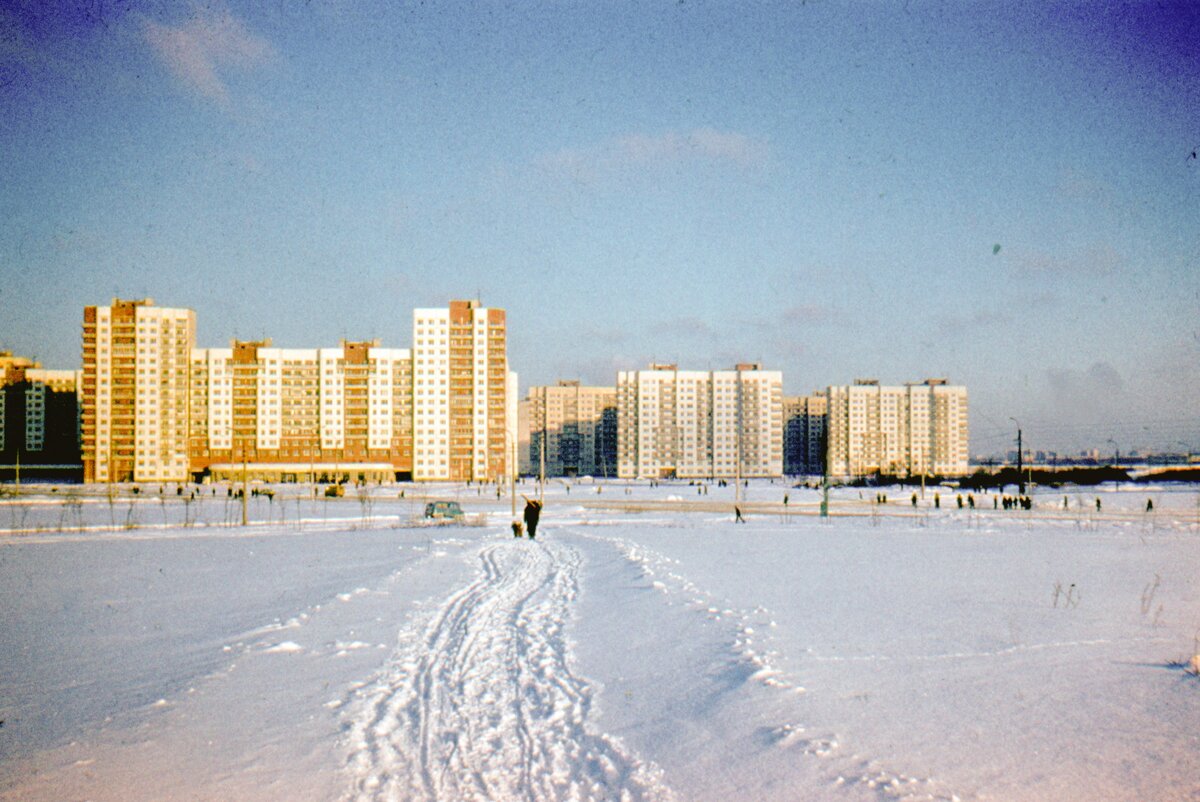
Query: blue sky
817, 186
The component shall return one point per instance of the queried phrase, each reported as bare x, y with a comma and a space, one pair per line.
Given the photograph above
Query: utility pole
245, 500
1020, 473
737, 482
825, 489
542, 448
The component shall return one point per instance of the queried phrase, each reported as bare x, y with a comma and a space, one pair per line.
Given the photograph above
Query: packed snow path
480, 702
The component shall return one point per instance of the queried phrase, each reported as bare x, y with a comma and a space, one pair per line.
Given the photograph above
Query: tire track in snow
481, 702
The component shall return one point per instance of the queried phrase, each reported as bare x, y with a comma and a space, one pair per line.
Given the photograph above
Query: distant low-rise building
39, 416
700, 424
911, 430
524, 464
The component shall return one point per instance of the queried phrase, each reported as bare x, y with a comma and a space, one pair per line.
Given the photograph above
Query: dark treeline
1177, 475
1075, 476
984, 479
1040, 476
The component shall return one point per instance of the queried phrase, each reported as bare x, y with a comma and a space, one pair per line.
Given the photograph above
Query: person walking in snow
533, 510
737, 516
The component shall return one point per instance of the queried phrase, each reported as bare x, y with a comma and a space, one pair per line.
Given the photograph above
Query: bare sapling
364, 503
1148, 594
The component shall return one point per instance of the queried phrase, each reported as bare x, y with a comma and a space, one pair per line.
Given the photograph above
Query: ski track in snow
480, 702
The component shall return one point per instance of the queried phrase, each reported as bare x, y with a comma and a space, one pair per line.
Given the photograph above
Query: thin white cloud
646, 150
206, 43
683, 327
810, 314
1099, 259
702, 143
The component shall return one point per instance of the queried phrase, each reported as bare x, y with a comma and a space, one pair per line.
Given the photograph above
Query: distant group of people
1015, 502
724, 483
531, 515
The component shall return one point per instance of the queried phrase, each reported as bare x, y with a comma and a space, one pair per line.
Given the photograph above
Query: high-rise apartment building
715, 424
302, 414
805, 420
464, 398
135, 391
573, 428
912, 430
39, 415
157, 409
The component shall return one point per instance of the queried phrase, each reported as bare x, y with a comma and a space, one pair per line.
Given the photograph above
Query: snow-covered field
645, 647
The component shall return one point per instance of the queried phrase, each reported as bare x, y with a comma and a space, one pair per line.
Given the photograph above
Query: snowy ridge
748, 646
480, 703
757, 661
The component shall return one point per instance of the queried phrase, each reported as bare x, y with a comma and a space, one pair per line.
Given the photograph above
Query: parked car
335, 491
444, 510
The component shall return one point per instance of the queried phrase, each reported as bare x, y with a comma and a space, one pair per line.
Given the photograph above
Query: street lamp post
1020, 474
512, 469
245, 500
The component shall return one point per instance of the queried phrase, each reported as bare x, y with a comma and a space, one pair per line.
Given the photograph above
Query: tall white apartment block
911, 430
464, 397
699, 424
135, 391
573, 429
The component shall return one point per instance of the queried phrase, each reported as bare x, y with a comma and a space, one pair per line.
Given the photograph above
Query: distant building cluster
156, 408
737, 423
39, 414
149, 405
